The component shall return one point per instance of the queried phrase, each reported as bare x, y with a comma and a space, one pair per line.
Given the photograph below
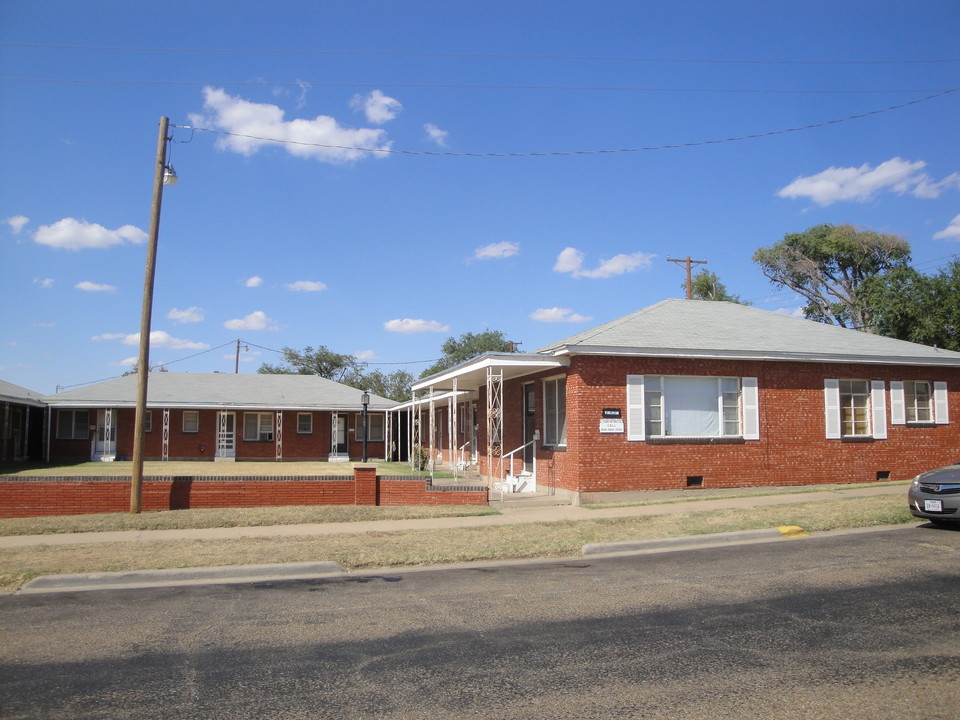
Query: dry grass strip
433, 547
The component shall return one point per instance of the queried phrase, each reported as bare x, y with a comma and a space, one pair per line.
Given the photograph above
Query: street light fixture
364, 401
164, 174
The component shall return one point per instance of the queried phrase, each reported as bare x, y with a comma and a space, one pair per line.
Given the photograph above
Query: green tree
706, 285
468, 346
828, 266
909, 305
322, 361
395, 386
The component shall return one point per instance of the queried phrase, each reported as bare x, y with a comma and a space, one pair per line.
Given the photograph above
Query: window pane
855, 407
304, 423
375, 427
191, 421
917, 397
690, 406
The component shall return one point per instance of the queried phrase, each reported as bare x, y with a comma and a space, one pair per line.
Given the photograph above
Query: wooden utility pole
143, 366
689, 264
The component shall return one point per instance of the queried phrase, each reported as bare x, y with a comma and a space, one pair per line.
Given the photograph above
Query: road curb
689, 541
181, 576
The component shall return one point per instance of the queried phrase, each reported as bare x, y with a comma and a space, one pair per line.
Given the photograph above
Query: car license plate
933, 505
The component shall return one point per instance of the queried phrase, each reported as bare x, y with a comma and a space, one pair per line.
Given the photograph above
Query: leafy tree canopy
395, 385
467, 346
342, 368
706, 285
322, 361
925, 309
828, 265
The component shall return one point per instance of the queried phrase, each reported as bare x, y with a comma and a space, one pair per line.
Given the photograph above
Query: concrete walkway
513, 511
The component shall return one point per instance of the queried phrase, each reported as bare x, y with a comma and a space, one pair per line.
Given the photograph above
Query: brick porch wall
40, 496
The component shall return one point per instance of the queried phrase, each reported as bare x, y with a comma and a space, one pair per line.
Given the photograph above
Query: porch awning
472, 374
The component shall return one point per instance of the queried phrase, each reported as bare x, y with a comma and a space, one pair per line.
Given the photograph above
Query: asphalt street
838, 625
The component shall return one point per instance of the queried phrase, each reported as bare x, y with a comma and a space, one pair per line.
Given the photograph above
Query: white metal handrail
510, 464
461, 462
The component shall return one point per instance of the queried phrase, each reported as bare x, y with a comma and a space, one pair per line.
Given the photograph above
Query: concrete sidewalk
513, 511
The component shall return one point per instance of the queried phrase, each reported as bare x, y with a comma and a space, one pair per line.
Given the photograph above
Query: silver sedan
935, 495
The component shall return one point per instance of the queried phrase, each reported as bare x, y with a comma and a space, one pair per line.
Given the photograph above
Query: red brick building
193, 416
689, 394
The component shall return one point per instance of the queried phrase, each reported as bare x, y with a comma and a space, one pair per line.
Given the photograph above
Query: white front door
105, 440
226, 435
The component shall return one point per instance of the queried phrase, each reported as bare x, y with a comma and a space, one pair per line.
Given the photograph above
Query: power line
698, 143
491, 56
368, 362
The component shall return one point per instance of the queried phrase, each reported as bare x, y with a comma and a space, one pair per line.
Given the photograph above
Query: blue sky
470, 215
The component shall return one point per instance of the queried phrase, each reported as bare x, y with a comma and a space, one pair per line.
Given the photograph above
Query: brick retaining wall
72, 495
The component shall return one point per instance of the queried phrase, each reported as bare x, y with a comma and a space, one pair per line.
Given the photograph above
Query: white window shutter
941, 413
831, 403
898, 406
636, 422
878, 407
751, 408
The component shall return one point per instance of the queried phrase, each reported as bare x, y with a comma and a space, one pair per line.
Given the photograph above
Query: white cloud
158, 339
436, 135
377, 107
16, 223
950, 232
257, 320
88, 286
558, 314
365, 355
409, 326
864, 183
254, 124
255, 281
570, 260
306, 286
45, 283
45, 324
190, 315
496, 250
795, 312
246, 355
73, 234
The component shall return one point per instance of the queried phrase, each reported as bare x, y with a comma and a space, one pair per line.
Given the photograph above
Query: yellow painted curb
792, 531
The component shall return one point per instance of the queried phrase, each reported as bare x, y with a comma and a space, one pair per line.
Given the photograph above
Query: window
555, 412
191, 421
73, 425
690, 407
918, 402
375, 428
305, 423
257, 427
855, 409
148, 421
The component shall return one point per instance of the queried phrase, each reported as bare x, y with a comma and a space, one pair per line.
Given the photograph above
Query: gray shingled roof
215, 390
16, 394
696, 328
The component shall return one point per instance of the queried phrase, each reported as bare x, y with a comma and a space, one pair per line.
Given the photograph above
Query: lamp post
163, 175
364, 401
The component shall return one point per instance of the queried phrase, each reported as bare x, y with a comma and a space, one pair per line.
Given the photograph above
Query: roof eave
712, 354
